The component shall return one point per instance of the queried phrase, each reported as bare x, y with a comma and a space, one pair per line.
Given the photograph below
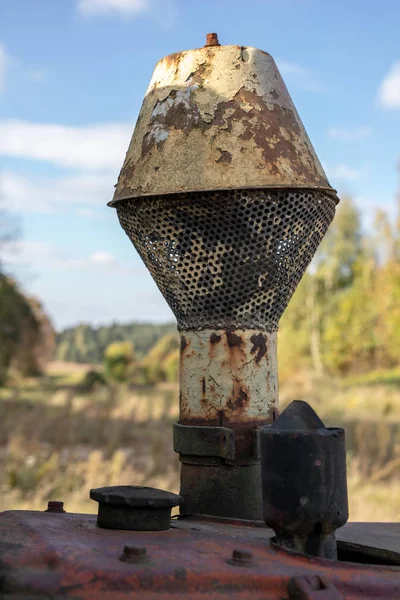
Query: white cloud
342, 172
389, 90
4, 61
84, 193
301, 76
128, 8
34, 254
164, 12
102, 259
77, 289
91, 147
349, 135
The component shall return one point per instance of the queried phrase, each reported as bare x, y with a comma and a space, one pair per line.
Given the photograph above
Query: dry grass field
57, 442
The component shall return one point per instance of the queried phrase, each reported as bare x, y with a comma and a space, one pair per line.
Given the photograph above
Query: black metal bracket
256, 443
191, 440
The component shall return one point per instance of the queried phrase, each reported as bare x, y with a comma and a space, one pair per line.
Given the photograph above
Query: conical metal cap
218, 118
221, 191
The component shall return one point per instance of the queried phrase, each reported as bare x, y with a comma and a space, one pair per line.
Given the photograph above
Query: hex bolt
55, 506
241, 558
134, 554
212, 40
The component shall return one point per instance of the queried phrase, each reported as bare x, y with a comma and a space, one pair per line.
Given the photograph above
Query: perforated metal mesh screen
228, 258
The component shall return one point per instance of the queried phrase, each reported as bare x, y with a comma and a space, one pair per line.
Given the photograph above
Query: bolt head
241, 557
212, 39
134, 554
55, 506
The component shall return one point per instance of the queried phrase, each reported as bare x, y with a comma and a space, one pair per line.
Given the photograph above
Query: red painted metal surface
45, 555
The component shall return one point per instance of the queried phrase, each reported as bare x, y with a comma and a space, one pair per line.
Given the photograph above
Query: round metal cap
135, 508
136, 496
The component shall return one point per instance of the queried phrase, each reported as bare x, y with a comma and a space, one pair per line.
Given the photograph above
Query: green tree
37, 341
294, 333
387, 235
87, 344
350, 334
335, 270
119, 360
315, 329
26, 334
157, 364
171, 366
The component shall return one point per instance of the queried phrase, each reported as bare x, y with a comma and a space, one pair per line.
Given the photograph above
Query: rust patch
184, 410
244, 443
173, 60
187, 419
234, 341
215, 338
147, 144
198, 76
80, 574
259, 346
262, 124
184, 343
241, 399
225, 158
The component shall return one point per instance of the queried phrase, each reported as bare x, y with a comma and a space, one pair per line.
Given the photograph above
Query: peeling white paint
179, 97
201, 83
213, 376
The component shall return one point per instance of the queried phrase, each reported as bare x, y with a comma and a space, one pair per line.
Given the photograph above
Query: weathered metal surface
228, 379
312, 587
226, 202
135, 508
221, 489
375, 543
304, 484
217, 118
44, 555
192, 440
228, 259
134, 554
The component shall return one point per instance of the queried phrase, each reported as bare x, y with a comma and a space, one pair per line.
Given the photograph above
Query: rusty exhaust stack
226, 202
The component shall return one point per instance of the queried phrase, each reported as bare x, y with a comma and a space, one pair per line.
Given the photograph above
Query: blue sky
72, 78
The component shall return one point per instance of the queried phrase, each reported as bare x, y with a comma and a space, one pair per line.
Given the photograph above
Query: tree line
87, 344
345, 315
343, 318
27, 338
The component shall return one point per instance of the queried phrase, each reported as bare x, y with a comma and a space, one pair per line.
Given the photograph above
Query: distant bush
119, 360
92, 380
85, 343
171, 366
161, 363
26, 334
